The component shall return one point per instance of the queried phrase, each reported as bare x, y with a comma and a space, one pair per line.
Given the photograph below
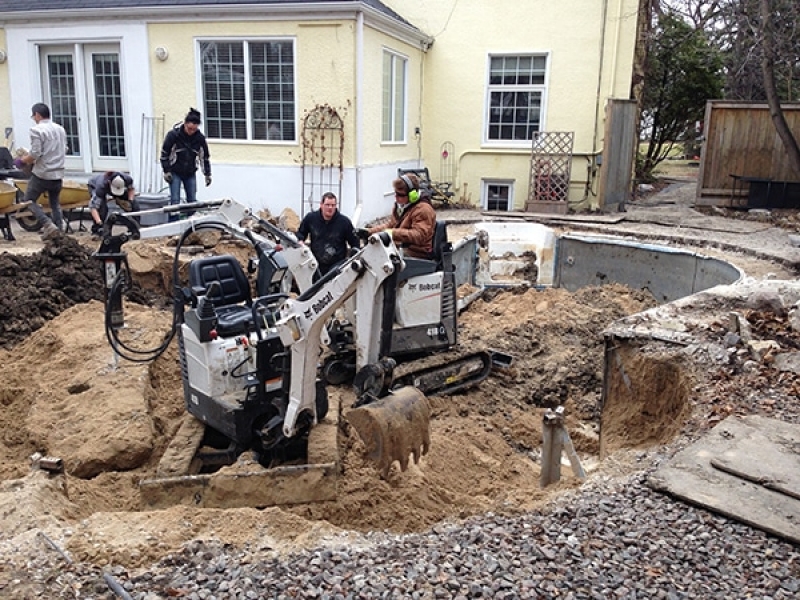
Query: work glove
168, 177
208, 180
362, 234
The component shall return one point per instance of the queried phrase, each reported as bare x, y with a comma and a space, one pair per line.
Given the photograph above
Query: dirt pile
36, 288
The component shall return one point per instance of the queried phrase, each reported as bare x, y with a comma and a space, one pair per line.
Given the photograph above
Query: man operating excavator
413, 219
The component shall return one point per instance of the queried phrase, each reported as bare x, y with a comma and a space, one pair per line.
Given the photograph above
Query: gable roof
13, 9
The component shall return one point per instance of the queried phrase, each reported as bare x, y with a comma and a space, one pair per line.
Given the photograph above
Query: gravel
615, 538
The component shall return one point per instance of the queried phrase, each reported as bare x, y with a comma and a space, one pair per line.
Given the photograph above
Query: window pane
386, 108
224, 90
393, 114
108, 103
399, 99
272, 90
62, 93
497, 197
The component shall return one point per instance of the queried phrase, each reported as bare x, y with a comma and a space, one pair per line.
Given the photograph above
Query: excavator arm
302, 319
392, 427
228, 215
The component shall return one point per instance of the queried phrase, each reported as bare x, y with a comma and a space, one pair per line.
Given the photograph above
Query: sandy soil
65, 396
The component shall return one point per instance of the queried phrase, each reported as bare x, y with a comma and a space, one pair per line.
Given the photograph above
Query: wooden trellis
551, 166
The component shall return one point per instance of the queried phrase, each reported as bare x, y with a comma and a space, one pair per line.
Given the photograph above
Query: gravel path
615, 539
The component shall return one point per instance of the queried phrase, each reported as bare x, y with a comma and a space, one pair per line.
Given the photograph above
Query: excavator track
445, 372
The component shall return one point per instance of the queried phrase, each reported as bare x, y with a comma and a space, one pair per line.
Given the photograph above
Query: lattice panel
551, 165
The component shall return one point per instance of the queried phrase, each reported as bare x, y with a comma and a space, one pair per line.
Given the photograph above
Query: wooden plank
245, 483
14, 208
763, 449
258, 487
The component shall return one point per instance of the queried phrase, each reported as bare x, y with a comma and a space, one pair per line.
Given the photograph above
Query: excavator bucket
394, 427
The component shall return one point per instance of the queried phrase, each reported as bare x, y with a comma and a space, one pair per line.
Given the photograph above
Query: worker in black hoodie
185, 149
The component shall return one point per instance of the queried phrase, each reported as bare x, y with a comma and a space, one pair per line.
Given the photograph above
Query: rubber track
434, 375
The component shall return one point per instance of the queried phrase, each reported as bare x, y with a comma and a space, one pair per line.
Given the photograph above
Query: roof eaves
375, 12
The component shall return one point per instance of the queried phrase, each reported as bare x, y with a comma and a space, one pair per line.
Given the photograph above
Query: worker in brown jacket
413, 219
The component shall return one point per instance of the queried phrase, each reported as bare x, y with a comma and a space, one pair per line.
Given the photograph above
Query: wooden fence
741, 144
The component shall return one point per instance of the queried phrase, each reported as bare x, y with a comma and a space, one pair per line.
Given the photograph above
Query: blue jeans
189, 185
36, 187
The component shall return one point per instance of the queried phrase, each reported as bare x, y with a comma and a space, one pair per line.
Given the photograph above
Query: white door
82, 84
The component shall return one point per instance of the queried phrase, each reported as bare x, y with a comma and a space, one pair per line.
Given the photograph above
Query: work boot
50, 231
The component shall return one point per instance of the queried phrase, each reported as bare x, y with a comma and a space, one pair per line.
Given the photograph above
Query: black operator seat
421, 266
233, 303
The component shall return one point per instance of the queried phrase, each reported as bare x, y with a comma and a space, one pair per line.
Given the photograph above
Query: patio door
82, 84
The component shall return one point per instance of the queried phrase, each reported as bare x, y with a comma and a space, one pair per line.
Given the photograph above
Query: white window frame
246, 41
487, 183
391, 120
493, 88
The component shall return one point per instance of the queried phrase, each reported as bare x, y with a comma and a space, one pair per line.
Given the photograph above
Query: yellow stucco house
299, 97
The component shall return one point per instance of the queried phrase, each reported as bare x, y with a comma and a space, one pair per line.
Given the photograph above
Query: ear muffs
413, 192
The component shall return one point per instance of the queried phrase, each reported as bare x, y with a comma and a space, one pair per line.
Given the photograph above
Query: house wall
261, 174
381, 160
5, 91
590, 54
267, 174
571, 32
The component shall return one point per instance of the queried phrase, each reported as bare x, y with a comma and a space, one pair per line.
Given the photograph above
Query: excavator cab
425, 301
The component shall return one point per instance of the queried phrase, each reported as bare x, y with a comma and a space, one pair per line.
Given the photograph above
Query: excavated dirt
65, 396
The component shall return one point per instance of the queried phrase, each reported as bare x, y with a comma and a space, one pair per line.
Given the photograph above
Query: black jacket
181, 152
329, 239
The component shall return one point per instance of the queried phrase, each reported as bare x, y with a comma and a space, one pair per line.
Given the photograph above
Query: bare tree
771, 88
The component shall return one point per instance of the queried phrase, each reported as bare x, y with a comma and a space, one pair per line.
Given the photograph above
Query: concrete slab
747, 469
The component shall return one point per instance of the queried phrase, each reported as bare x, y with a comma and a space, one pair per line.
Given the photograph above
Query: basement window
497, 195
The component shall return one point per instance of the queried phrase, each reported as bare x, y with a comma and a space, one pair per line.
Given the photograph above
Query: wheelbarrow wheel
28, 223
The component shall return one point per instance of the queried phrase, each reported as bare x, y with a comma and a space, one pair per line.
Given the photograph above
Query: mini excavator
250, 365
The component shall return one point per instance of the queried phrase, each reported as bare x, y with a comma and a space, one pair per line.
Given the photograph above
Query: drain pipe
359, 126
591, 167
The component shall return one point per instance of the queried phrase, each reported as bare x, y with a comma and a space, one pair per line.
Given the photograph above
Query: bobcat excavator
250, 366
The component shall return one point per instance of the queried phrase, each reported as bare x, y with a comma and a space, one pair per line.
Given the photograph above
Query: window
498, 195
248, 90
394, 98
63, 99
516, 89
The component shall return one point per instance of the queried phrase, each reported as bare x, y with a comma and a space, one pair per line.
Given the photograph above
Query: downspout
614, 56
591, 167
359, 125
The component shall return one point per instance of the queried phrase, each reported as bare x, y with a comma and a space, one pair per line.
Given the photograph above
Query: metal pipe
115, 587
359, 132
54, 546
